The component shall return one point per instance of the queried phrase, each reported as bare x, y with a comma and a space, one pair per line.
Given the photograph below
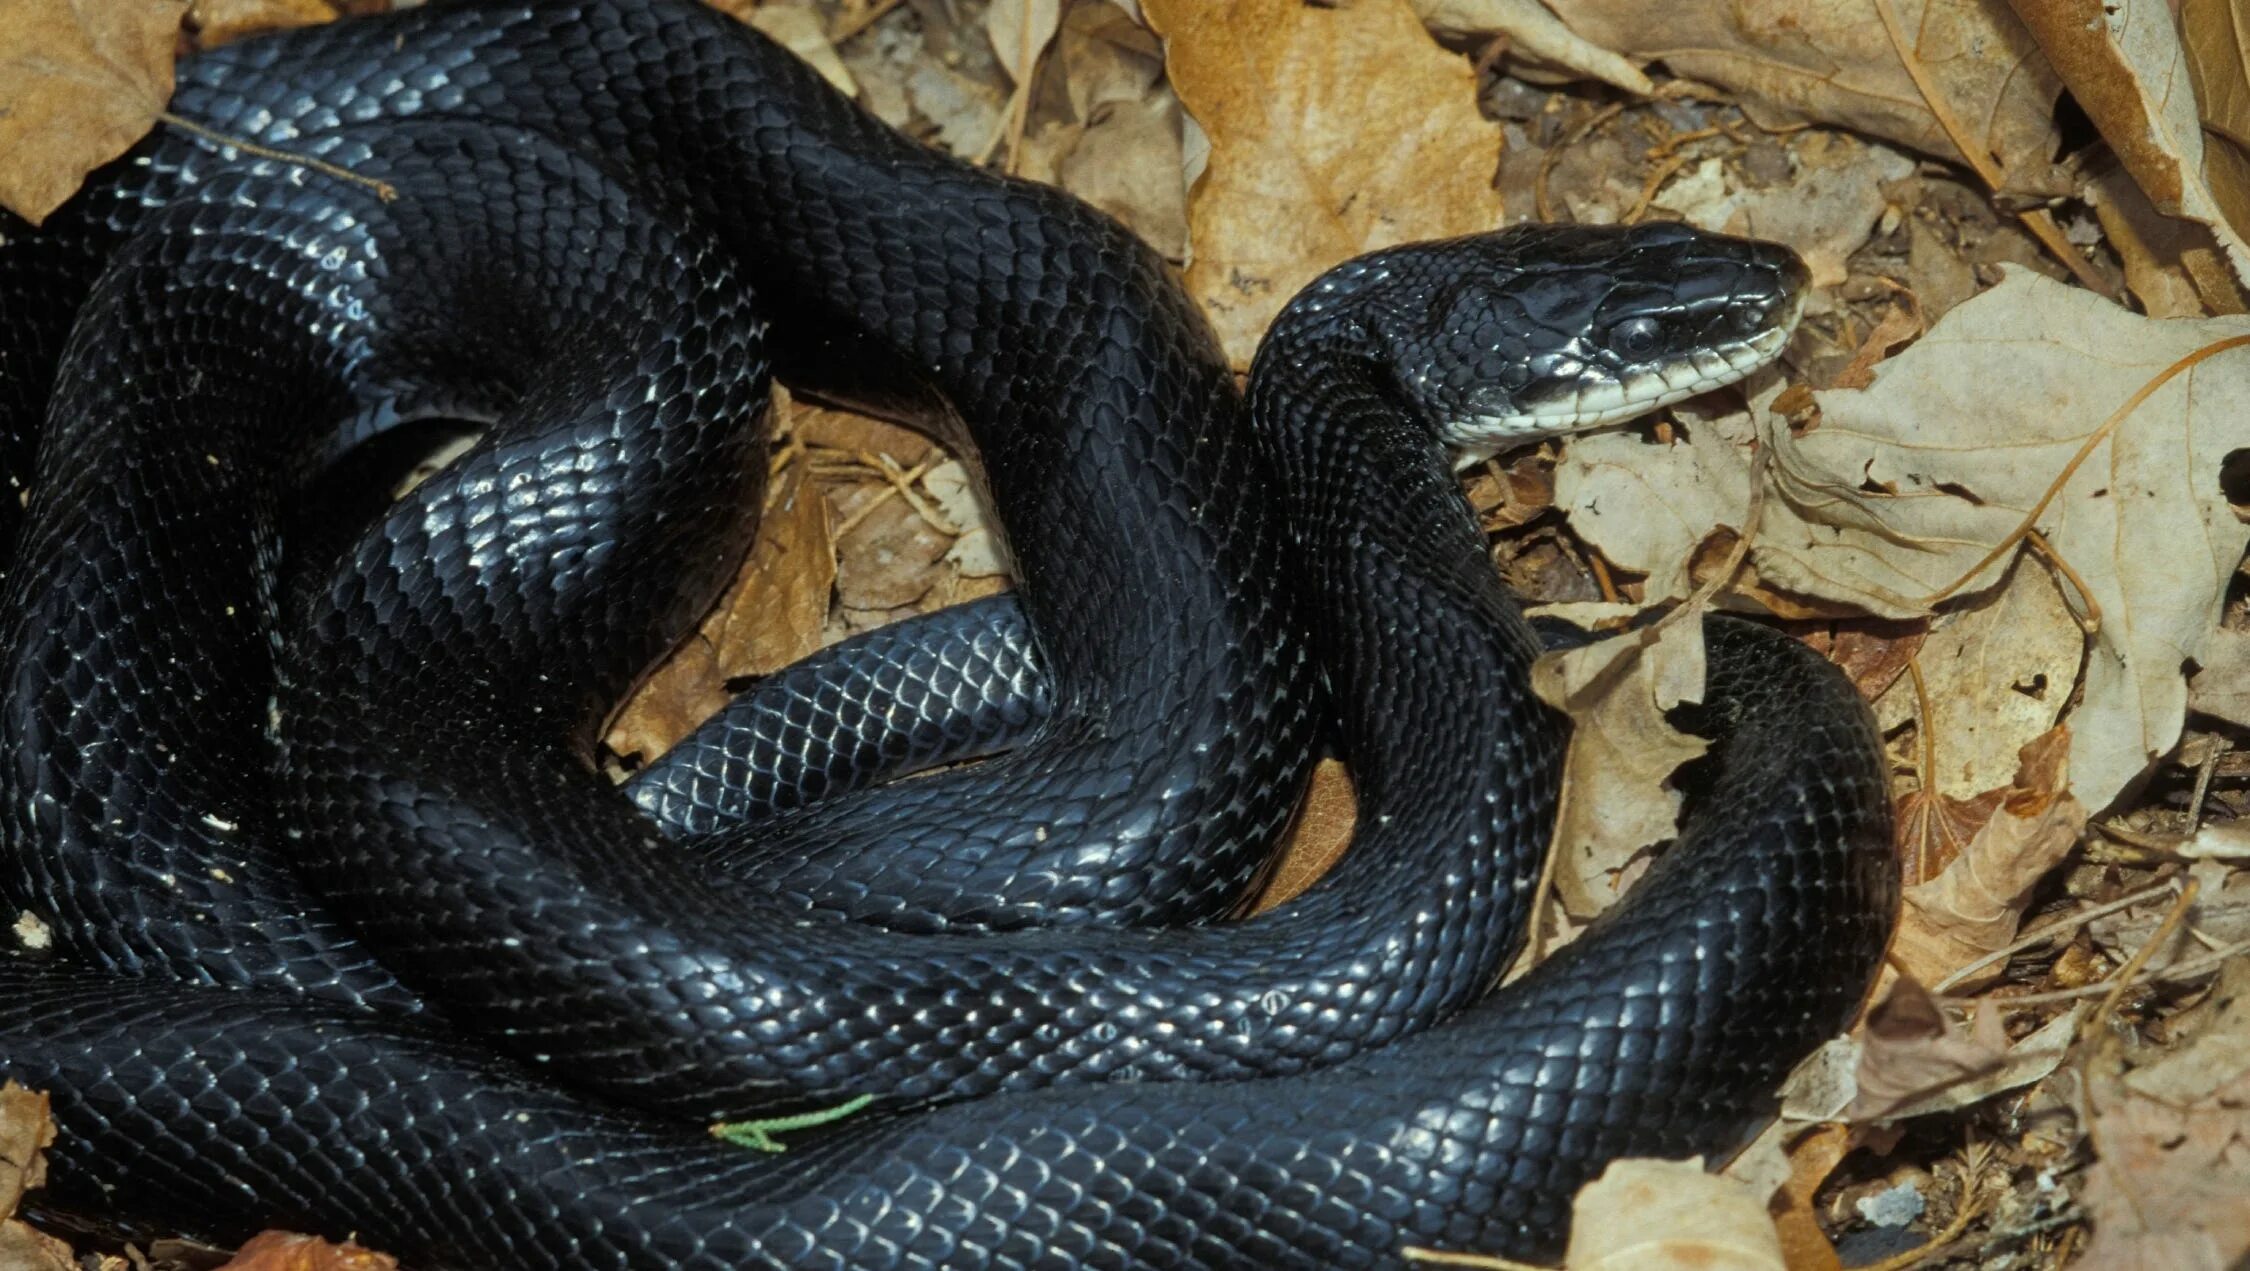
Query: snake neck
1392, 562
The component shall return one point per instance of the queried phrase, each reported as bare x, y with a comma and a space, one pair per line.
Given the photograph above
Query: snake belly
1318, 1137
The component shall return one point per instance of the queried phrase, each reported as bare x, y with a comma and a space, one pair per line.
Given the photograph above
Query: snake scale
350, 936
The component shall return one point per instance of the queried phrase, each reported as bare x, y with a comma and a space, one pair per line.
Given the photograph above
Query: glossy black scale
407, 763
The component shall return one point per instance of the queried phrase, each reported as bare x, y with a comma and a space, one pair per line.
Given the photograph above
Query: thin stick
1925, 723
2060, 927
2089, 622
384, 190
2093, 440
2186, 970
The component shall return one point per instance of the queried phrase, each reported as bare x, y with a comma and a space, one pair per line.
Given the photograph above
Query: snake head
1539, 330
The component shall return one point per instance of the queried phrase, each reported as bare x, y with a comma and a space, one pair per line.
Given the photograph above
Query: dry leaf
1790, 1162
883, 561
977, 553
26, 1130
80, 82
2218, 916
284, 1251
2171, 266
1644, 1215
2172, 1144
1334, 129
1825, 211
1019, 31
1923, 480
1323, 830
2221, 686
2126, 66
773, 613
1831, 61
1622, 749
1974, 906
799, 28
2216, 36
1128, 162
219, 22
1533, 32
1994, 677
1912, 1062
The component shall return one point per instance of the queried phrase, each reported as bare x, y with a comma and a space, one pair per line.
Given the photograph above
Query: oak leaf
80, 82
1334, 130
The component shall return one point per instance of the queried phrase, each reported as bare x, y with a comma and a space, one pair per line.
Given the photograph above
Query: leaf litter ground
2006, 503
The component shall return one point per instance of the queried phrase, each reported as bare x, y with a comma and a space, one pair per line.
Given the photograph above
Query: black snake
303, 786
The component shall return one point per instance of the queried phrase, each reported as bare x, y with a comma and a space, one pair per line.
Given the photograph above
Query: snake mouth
1623, 335
1643, 389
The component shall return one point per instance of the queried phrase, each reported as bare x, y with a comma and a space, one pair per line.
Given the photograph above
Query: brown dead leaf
1317, 841
285, 1251
1127, 161
1874, 654
1913, 1062
80, 82
2171, 266
771, 615
1334, 129
1972, 908
1644, 1215
2126, 65
843, 430
799, 28
2172, 1144
884, 559
1994, 678
1935, 828
26, 1130
1825, 211
1830, 61
1900, 323
1615, 802
1813, 1154
219, 22
1533, 32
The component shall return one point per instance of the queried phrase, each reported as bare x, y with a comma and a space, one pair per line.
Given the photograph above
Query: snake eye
1634, 337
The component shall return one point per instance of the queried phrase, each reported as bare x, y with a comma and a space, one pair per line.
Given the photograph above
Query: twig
1448, 1258
2094, 439
1925, 726
2090, 621
384, 190
1654, 183
2060, 927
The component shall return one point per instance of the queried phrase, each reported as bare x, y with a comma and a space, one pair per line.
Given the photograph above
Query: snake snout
1602, 324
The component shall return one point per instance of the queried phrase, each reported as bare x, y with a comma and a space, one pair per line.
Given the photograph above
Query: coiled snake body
365, 799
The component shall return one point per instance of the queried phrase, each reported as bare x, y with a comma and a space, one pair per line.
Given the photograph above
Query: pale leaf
1622, 750
2171, 1139
1903, 488
1830, 61
1647, 1215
